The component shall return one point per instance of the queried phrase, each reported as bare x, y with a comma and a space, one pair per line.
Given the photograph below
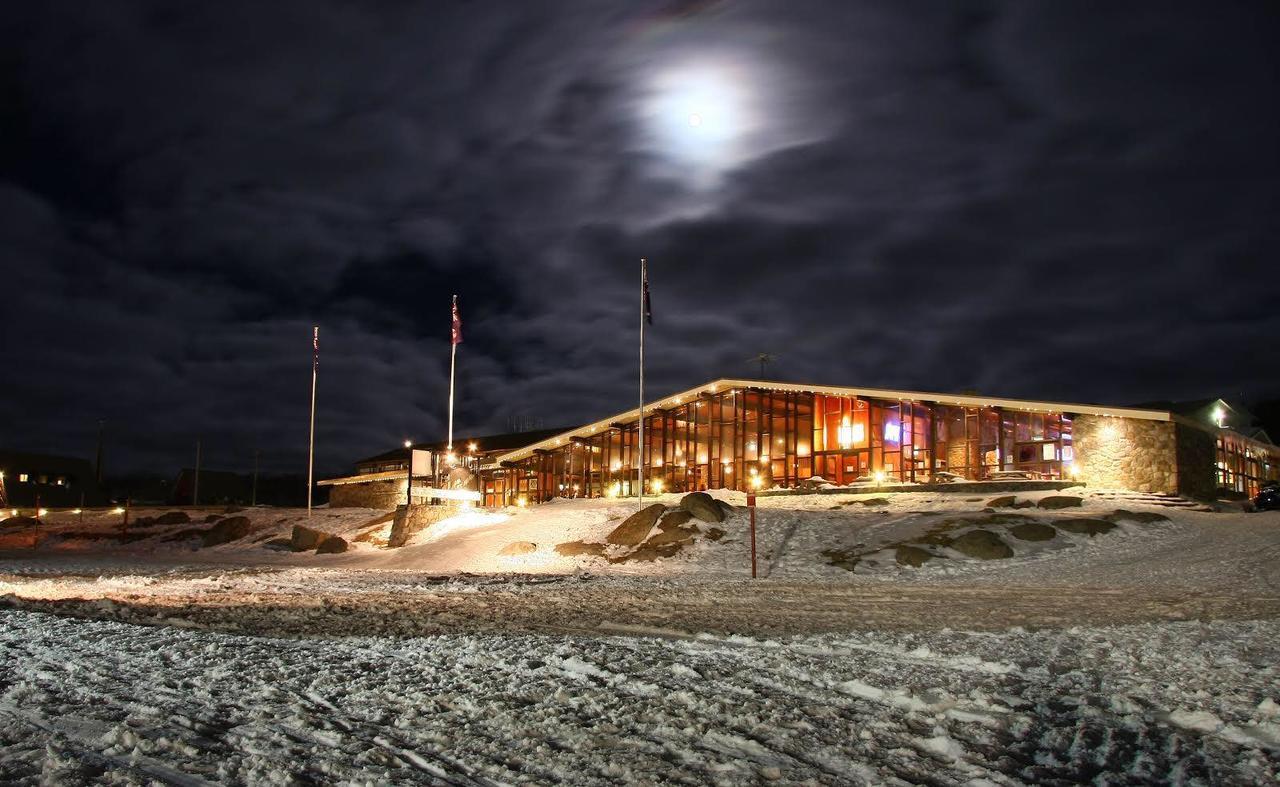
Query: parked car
1268, 498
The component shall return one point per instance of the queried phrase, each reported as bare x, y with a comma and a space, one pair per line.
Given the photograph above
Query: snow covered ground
1144, 654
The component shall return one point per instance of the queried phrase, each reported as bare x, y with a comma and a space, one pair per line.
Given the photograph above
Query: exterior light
756, 481
657, 462
450, 458
615, 465
656, 484
615, 489
119, 510
76, 511
471, 447
522, 501
1219, 416
879, 476
13, 512
408, 444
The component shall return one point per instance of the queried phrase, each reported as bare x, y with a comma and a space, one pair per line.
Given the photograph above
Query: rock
703, 506
1141, 517
185, 533
304, 538
19, 521
848, 559
518, 548
279, 544
172, 518
1024, 504
648, 553
212, 518
1053, 502
726, 508
635, 528
982, 544
226, 531
908, 555
674, 518
1006, 501
715, 534
1089, 527
576, 548
675, 535
875, 501
1032, 531
332, 545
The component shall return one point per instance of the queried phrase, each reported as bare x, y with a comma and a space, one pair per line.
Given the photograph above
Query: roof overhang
716, 386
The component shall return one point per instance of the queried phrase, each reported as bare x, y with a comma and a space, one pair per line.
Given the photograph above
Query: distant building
57, 481
736, 434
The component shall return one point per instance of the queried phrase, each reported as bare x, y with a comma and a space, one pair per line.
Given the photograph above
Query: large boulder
675, 535
1005, 501
304, 538
1086, 527
908, 555
1033, 531
1053, 502
576, 548
635, 528
172, 518
982, 544
518, 548
674, 518
19, 521
332, 545
230, 529
703, 506
1141, 517
726, 509
647, 553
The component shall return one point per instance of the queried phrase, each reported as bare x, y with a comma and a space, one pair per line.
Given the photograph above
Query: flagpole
453, 359
640, 469
311, 448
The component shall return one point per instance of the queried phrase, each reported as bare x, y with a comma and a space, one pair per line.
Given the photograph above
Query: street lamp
408, 485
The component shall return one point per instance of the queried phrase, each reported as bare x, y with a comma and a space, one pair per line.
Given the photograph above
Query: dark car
1268, 498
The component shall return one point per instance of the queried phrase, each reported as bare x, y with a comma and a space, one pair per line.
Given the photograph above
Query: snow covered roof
963, 400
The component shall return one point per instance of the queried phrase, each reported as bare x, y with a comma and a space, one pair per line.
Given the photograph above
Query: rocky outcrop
674, 535
225, 531
172, 518
913, 556
635, 528
332, 545
982, 544
1089, 527
577, 548
703, 506
1055, 502
1006, 501
674, 518
304, 538
1033, 531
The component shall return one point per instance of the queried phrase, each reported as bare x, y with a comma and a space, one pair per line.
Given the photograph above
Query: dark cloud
1051, 200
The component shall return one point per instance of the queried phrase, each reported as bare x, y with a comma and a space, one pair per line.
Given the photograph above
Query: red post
751, 506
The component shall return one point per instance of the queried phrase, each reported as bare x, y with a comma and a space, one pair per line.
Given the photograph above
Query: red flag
456, 333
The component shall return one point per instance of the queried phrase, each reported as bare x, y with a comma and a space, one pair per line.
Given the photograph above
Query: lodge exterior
736, 434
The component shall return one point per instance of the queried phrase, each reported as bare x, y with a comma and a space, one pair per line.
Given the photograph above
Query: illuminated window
1049, 452
23, 478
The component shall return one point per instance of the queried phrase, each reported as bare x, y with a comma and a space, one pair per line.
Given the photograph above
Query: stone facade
1126, 453
1197, 462
385, 495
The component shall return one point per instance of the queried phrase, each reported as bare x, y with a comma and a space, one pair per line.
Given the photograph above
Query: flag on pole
456, 333
648, 306
315, 347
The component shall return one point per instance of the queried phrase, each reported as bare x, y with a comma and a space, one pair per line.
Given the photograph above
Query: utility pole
762, 359
195, 488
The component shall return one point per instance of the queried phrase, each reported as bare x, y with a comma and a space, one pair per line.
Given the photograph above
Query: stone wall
1197, 462
385, 495
1125, 453
416, 518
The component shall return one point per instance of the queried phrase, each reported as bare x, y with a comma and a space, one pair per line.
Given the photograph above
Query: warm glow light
408, 444
879, 476
657, 462
119, 510
756, 481
76, 511
522, 501
656, 484
450, 458
472, 447
615, 465
614, 490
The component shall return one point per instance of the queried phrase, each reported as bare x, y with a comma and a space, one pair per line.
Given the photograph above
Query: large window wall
1244, 465
725, 439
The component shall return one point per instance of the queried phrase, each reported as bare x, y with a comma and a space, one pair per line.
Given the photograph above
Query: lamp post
408, 486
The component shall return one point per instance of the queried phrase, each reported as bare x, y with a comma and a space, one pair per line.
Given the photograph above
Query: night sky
1068, 201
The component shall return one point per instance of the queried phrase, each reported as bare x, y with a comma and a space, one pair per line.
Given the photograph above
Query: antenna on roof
762, 359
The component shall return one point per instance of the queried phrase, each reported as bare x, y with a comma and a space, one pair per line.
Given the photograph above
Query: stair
1153, 499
